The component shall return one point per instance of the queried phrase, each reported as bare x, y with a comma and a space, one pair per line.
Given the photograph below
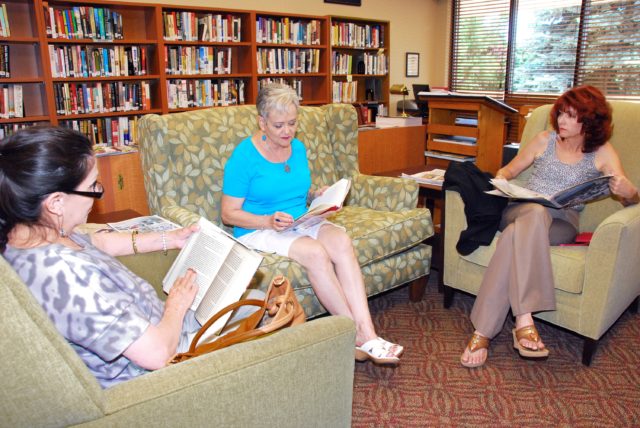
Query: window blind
539, 48
479, 46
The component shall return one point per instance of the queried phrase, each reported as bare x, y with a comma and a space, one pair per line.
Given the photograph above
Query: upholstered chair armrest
180, 215
300, 376
455, 223
612, 271
383, 193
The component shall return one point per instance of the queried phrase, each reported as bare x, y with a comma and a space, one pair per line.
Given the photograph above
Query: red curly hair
592, 110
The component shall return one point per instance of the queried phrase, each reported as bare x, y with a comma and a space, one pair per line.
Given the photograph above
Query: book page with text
205, 252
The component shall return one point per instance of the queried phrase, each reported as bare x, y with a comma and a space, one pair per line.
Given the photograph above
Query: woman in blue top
267, 183
577, 149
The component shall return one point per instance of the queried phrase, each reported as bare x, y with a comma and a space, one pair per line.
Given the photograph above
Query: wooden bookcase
360, 56
41, 61
311, 80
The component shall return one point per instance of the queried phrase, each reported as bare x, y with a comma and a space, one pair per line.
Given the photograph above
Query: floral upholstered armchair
183, 159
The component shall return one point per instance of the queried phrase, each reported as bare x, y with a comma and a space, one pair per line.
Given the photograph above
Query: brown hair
592, 110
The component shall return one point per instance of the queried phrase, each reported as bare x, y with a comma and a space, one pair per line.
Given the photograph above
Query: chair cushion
567, 263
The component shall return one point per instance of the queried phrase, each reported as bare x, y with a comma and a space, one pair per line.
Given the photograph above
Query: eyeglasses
96, 193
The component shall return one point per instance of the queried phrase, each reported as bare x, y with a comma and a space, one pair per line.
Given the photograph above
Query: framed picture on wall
348, 2
413, 64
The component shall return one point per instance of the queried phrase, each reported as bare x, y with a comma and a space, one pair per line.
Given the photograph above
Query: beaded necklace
287, 168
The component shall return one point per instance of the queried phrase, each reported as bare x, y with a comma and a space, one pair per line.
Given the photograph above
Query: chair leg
589, 348
448, 296
417, 287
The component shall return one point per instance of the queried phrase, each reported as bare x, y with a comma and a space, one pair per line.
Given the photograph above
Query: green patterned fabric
184, 154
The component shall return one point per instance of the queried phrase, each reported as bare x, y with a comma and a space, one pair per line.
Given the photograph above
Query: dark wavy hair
592, 110
34, 163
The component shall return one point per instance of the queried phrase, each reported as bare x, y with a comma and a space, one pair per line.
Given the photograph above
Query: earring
264, 137
60, 227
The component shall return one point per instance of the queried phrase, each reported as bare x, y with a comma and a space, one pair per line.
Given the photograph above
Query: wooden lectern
465, 127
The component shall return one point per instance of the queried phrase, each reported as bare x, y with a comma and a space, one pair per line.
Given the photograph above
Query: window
542, 47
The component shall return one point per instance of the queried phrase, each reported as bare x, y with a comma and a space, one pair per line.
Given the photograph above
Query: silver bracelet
164, 243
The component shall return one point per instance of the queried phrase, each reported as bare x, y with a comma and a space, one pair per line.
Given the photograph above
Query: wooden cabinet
360, 61
391, 149
466, 127
121, 176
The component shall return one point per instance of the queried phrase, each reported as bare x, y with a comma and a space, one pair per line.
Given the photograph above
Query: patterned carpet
431, 388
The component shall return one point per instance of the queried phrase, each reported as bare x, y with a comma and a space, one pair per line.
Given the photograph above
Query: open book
224, 269
580, 193
330, 201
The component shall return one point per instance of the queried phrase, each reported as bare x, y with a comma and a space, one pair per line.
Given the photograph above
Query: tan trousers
519, 274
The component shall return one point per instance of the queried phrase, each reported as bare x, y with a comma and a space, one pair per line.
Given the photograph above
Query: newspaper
150, 223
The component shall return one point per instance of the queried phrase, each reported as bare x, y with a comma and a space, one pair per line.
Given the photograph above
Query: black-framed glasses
96, 193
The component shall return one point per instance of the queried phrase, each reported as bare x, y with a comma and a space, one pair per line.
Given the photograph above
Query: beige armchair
594, 284
301, 376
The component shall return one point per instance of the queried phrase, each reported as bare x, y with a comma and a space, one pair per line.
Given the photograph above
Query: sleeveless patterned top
550, 175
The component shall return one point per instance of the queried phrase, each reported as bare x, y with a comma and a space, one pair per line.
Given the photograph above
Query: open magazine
322, 206
148, 223
589, 190
224, 269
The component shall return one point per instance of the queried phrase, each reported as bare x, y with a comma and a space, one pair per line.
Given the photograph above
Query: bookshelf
293, 49
360, 62
97, 66
22, 60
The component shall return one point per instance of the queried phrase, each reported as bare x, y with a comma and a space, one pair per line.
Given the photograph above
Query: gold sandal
530, 333
476, 343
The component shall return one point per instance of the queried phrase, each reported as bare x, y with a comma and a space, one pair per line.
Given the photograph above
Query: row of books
197, 60
5, 31
98, 61
367, 63
288, 30
295, 84
7, 129
350, 34
208, 27
106, 131
344, 92
284, 60
83, 22
101, 97
11, 101
183, 93
5, 63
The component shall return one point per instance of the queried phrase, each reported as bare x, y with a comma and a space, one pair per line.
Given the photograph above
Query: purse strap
280, 303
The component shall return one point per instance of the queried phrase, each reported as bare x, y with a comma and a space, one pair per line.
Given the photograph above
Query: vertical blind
543, 47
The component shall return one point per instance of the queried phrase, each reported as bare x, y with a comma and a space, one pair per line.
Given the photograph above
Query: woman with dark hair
575, 151
112, 318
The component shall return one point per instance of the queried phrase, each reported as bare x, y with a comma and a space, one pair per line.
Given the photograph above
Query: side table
431, 197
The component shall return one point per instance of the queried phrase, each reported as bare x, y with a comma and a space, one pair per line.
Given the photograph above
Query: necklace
287, 168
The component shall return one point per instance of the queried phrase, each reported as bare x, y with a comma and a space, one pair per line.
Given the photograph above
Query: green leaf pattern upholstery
183, 158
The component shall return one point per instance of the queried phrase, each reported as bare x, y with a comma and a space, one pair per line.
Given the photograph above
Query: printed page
205, 253
586, 191
324, 205
515, 191
232, 280
152, 223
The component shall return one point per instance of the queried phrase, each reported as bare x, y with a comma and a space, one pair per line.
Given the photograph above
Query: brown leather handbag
280, 309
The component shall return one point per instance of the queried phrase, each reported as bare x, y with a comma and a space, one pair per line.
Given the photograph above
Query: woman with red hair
576, 150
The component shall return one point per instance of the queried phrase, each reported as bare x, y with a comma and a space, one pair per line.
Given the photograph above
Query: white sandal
377, 351
394, 348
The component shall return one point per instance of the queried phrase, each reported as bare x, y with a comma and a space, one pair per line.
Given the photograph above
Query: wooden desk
387, 149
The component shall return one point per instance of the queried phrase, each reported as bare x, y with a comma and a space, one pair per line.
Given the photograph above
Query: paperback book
324, 205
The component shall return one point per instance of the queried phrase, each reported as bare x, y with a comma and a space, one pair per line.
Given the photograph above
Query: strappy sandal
476, 343
377, 351
529, 333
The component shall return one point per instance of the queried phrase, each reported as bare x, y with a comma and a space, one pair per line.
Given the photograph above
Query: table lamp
400, 89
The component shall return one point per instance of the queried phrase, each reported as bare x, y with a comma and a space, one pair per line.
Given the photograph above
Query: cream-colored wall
416, 26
